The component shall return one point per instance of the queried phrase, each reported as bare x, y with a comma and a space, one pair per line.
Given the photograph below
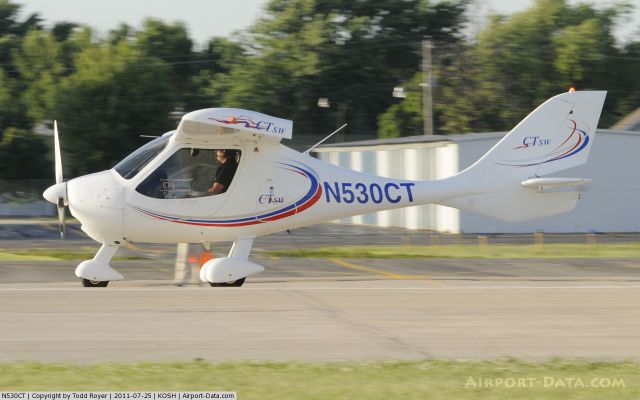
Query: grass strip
552, 250
428, 379
56, 255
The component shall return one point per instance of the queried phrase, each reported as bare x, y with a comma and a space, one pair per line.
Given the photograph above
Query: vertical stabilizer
555, 136
505, 183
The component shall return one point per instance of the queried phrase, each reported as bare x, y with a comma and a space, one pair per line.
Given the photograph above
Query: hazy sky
208, 18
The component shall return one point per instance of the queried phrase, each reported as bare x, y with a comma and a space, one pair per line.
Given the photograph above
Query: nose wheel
90, 283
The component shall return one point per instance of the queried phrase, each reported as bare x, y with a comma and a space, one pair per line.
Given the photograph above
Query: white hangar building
611, 203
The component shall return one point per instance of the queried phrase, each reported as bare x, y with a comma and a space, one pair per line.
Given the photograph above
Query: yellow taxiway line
382, 272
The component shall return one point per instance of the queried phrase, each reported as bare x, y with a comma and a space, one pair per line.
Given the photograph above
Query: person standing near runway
190, 257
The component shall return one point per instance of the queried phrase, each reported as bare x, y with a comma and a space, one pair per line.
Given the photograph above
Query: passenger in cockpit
226, 171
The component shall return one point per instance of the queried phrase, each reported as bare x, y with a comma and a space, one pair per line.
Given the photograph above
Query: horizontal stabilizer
551, 183
518, 205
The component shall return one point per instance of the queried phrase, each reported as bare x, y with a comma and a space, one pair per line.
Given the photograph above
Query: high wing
228, 123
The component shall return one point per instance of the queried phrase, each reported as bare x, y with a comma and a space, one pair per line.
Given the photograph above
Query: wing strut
320, 142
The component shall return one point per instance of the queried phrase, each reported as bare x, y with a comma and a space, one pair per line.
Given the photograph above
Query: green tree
351, 53
405, 117
38, 62
214, 62
115, 94
11, 112
12, 31
627, 91
18, 147
171, 44
190, 71
22, 155
521, 60
168, 42
9, 23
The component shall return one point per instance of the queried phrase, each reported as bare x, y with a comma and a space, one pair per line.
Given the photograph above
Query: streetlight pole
427, 108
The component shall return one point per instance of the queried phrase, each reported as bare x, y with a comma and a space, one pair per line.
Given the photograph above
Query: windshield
137, 160
192, 172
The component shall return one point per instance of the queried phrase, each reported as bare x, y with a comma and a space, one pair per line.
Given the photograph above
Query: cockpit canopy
188, 173
136, 161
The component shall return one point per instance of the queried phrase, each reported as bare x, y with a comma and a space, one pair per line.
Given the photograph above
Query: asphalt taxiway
325, 310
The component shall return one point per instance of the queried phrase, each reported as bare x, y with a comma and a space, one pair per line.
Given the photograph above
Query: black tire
237, 283
90, 283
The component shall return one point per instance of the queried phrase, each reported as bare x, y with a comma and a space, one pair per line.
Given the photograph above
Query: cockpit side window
134, 162
189, 173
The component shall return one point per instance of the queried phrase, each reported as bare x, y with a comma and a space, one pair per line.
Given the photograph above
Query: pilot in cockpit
226, 171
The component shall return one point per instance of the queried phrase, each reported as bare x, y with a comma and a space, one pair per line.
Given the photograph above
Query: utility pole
427, 107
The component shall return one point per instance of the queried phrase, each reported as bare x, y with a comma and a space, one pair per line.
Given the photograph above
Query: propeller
58, 161
57, 194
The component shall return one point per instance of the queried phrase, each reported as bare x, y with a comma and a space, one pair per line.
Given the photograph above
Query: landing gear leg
97, 272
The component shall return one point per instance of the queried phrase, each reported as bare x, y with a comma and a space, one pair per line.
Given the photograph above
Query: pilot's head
225, 154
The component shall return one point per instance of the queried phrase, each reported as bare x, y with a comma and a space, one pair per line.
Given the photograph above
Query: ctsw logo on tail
571, 144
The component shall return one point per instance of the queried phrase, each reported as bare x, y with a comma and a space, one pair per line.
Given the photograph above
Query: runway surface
319, 321
325, 310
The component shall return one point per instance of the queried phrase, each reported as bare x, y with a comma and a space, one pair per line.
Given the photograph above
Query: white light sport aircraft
159, 192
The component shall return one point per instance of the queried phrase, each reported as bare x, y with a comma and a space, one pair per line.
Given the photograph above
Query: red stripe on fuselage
298, 209
293, 211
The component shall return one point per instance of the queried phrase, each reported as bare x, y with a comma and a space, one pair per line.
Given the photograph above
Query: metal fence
24, 198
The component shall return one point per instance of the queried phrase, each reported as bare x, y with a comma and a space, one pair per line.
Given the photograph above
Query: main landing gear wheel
237, 283
90, 283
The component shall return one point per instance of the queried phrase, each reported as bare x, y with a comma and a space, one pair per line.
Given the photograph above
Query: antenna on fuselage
296, 243
320, 142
